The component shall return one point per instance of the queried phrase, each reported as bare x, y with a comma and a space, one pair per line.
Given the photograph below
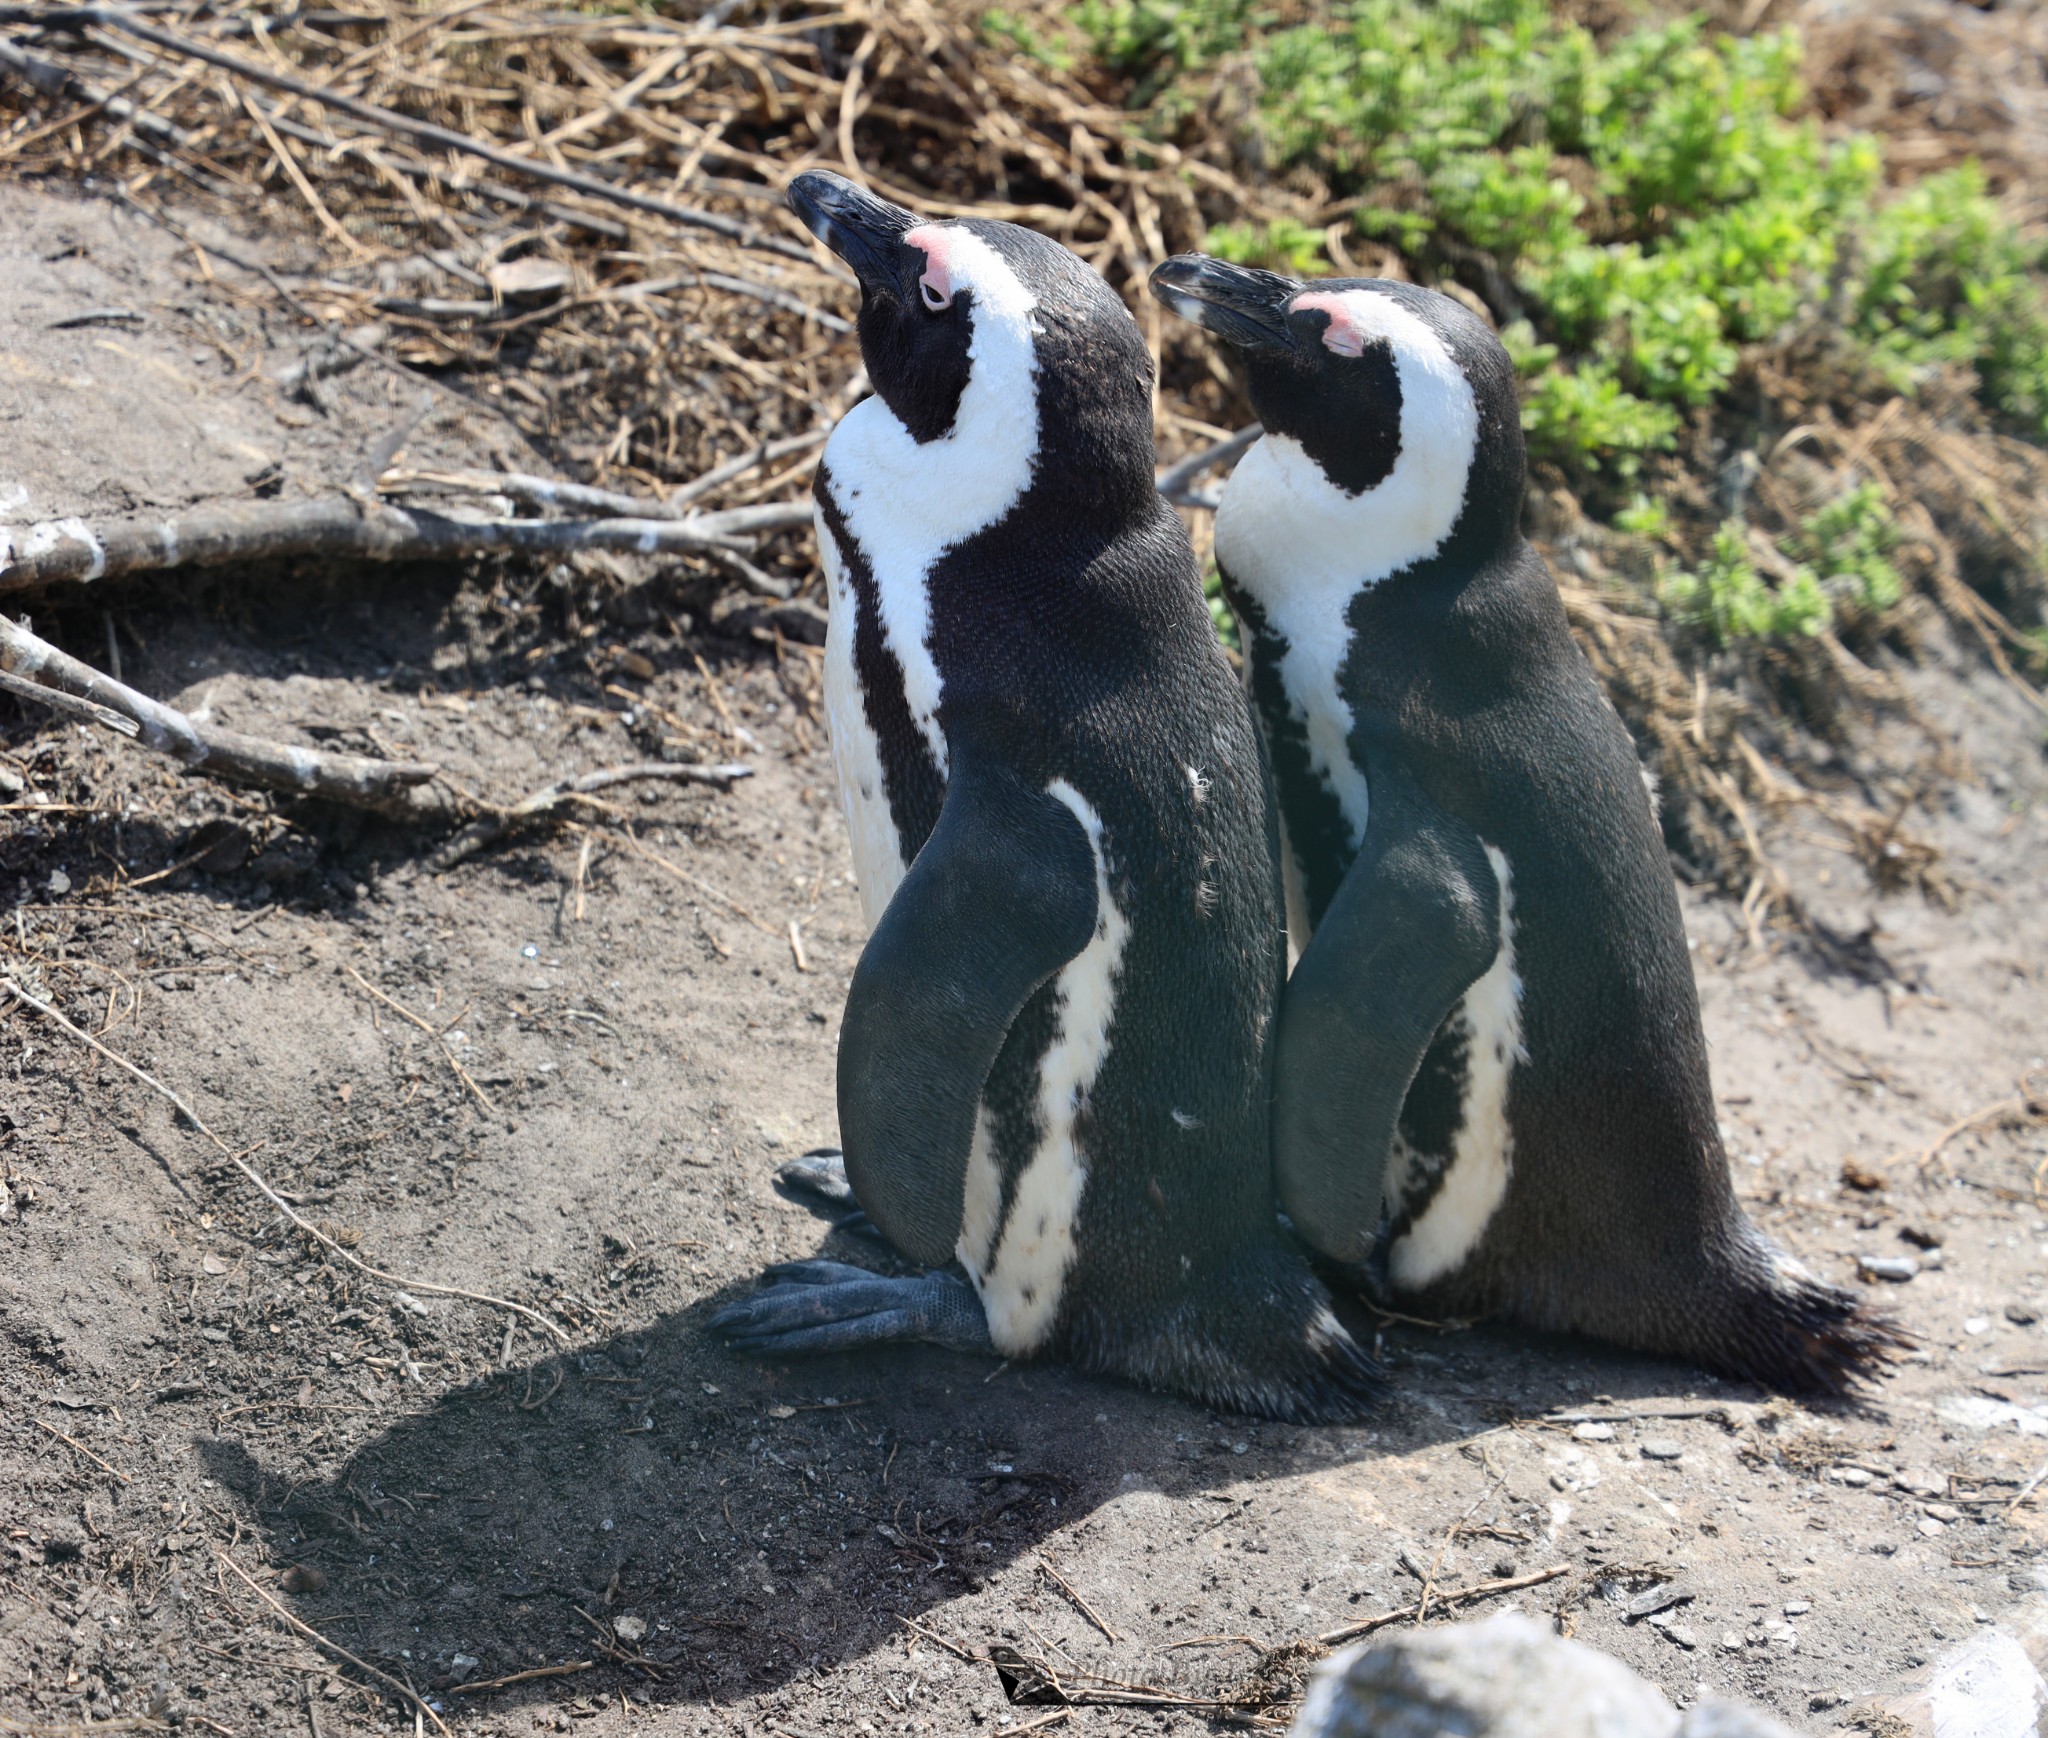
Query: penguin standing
1053, 1062
1490, 1061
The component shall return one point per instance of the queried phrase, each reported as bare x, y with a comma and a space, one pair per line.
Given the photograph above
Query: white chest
1304, 549
905, 504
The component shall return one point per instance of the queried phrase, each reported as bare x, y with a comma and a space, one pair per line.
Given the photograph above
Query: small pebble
1593, 1432
1797, 1607
1731, 1642
1930, 1527
1976, 1324
1849, 1475
1917, 1481
2022, 1315
1942, 1512
1896, 1269
1662, 1448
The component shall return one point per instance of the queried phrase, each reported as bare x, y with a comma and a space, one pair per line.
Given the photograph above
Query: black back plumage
1464, 683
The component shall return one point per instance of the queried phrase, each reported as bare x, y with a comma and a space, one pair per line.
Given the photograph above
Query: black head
1342, 366
944, 302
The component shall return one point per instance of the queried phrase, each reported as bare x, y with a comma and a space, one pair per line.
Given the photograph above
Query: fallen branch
549, 801
349, 778
447, 1050
59, 701
543, 493
276, 1200
49, 79
70, 550
1045, 1563
72, 1442
75, 19
2029, 1104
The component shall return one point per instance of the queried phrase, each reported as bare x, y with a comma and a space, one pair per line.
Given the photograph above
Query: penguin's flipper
1002, 895
1414, 924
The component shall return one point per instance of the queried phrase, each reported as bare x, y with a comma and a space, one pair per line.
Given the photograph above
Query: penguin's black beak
864, 231
1242, 306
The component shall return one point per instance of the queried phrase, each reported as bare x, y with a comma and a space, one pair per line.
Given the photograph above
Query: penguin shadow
700, 1527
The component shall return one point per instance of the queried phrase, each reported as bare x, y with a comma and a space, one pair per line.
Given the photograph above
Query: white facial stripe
878, 860
907, 504
1482, 1152
1021, 1282
1303, 548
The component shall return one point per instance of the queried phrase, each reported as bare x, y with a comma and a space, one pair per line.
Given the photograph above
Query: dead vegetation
575, 221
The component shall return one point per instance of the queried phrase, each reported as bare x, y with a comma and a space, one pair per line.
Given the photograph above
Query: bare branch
1176, 481
348, 778
70, 550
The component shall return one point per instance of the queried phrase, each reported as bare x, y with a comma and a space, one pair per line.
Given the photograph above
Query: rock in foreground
1503, 1677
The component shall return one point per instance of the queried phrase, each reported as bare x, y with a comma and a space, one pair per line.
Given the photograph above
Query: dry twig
552, 800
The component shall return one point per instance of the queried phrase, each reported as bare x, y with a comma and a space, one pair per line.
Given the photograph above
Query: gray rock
1503, 1677
1896, 1269
1662, 1448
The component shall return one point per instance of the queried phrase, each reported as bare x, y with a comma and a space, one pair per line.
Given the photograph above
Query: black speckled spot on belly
1431, 1117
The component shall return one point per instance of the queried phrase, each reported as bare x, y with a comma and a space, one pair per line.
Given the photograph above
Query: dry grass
668, 349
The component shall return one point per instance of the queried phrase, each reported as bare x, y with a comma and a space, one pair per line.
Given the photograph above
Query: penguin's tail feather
1260, 1338
1779, 1326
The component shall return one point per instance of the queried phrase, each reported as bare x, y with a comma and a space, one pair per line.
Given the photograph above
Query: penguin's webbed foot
827, 1306
818, 1181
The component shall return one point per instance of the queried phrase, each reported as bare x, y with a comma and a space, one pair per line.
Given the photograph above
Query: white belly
878, 860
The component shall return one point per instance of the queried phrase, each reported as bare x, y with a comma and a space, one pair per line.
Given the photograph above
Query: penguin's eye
935, 298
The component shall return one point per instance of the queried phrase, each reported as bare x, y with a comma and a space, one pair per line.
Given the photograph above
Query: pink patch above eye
1344, 335
937, 282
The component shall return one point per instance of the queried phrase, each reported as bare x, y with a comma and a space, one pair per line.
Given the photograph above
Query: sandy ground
192, 1391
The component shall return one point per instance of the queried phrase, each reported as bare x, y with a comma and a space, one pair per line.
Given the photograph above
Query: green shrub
1945, 278
1645, 517
1729, 599
1283, 245
1652, 200
1220, 614
1849, 544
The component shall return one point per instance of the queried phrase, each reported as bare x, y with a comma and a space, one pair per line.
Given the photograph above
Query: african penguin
1054, 1062
1490, 1061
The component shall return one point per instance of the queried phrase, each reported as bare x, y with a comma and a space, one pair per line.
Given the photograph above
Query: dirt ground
625, 1043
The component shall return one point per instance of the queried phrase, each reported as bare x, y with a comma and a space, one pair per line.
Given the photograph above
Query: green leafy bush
1652, 201
1945, 278
1282, 245
1849, 544
1729, 599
